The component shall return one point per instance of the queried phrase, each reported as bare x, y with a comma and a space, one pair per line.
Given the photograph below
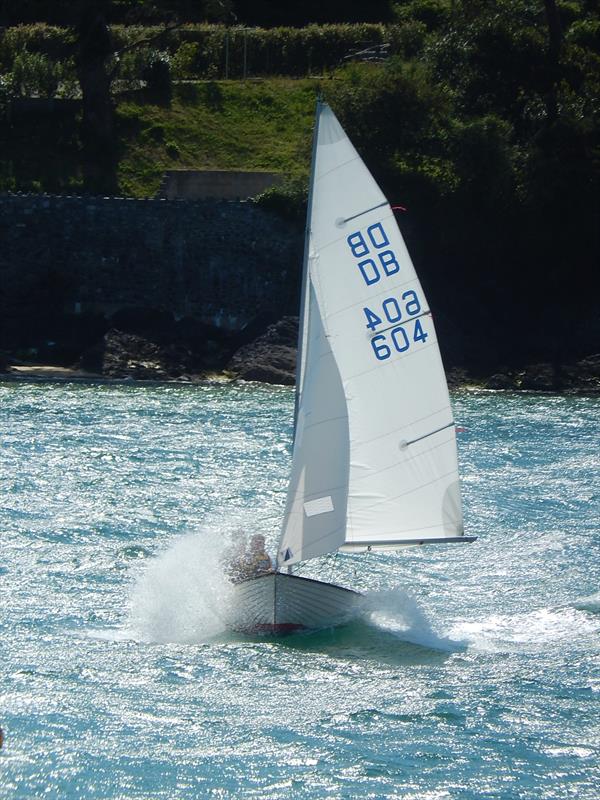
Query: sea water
473, 673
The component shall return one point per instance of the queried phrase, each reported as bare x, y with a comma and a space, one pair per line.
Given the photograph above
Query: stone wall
222, 262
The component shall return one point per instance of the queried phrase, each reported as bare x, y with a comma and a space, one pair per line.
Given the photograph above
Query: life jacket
260, 563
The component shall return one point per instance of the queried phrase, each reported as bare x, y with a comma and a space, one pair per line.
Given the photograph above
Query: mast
304, 302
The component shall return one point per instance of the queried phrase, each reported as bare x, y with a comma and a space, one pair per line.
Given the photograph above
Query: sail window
320, 506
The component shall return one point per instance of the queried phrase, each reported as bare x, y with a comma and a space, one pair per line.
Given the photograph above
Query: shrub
55, 43
131, 66
172, 149
34, 74
68, 86
6, 94
287, 199
213, 96
408, 40
184, 61
434, 14
198, 51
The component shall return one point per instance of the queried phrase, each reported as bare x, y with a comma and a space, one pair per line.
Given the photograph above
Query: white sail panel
305, 289
315, 517
372, 361
403, 479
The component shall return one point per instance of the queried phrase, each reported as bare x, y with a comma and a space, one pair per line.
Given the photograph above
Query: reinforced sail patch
320, 506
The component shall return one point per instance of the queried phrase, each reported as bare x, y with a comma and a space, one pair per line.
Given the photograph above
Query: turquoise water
475, 674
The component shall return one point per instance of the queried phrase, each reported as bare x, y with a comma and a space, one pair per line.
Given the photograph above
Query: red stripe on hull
277, 628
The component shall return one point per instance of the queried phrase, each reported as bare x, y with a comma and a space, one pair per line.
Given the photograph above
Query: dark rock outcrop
150, 344
584, 375
501, 380
272, 357
126, 355
580, 376
456, 377
540, 378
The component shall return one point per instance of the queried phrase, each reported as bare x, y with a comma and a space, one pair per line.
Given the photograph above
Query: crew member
258, 561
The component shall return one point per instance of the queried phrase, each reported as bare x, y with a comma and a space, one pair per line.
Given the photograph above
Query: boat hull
279, 604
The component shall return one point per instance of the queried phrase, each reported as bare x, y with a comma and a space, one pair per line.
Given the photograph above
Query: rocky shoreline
270, 357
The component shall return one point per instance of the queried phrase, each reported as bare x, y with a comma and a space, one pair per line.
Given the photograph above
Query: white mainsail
374, 461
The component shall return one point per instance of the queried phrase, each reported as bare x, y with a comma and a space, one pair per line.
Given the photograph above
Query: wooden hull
279, 603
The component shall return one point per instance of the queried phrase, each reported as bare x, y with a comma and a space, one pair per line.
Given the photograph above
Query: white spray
183, 595
399, 613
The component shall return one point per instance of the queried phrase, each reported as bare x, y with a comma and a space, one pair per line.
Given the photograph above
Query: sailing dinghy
374, 458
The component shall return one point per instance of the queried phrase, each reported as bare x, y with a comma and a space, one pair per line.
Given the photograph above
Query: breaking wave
590, 603
530, 631
399, 613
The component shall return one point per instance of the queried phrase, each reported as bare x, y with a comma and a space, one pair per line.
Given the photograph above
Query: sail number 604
392, 312
399, 338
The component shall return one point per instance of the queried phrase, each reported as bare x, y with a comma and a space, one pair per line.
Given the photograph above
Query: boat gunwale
299, 578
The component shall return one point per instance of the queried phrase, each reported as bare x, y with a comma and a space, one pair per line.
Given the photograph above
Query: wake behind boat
374, 463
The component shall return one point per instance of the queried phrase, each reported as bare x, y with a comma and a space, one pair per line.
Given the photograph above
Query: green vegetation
484, 121
253, 125
209, 51
262, 125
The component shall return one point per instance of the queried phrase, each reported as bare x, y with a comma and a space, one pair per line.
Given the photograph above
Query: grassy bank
250, 125
246, 125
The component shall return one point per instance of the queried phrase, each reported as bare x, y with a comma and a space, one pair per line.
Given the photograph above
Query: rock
540, 378
584, 375
268, 373
153, 346
126, 355
500, 380
272, 357
456, 377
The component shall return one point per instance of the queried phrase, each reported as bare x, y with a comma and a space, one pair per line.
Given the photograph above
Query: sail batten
373, 395
361, 213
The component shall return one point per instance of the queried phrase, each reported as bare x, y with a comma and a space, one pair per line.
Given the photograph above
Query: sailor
258, 561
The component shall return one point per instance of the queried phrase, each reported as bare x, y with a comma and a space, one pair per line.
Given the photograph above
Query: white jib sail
374, 461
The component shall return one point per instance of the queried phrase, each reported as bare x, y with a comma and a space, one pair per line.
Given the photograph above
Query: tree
554, 48
97, 66
95, 48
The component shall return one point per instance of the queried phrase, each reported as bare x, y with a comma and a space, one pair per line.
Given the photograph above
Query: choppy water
476, 674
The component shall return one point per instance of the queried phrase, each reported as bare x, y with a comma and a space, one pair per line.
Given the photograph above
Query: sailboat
374, 463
